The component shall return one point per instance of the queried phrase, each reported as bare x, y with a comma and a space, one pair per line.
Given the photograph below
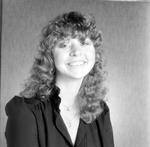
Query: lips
77, 63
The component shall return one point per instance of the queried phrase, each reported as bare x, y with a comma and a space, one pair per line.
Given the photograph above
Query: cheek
56, 60
59, 60
56, 56
92, 55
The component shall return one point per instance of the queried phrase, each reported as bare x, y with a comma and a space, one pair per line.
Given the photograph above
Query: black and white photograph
75, 73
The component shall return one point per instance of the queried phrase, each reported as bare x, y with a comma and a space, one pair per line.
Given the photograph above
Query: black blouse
36, 123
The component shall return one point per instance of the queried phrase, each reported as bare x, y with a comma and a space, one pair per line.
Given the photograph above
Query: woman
62, 104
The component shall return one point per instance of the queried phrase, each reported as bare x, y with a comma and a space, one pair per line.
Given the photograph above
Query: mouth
77, 63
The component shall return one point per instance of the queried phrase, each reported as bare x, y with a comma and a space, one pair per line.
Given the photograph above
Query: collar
56, 100
54, 97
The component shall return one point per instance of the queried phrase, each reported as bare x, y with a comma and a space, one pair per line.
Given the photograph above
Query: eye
63, 45
86, 42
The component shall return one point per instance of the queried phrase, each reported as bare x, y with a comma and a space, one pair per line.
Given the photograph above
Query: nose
75, 50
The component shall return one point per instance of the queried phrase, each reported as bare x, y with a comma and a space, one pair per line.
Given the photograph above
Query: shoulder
105, 108
15, 104
18, 105
104, 117
21, 127
104, 123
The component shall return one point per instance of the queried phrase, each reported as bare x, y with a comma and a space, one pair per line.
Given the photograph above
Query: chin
78, 76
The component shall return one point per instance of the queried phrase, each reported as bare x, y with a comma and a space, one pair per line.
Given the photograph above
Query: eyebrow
63, 41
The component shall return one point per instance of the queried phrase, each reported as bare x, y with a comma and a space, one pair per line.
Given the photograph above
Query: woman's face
73, 58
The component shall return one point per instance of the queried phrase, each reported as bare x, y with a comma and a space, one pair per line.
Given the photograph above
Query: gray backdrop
126, 31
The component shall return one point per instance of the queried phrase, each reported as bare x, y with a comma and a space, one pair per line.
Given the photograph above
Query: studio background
126, 36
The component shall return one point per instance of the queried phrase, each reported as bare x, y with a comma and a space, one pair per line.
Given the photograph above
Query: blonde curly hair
43, 74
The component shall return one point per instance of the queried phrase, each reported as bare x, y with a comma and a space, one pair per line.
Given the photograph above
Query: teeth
76, 63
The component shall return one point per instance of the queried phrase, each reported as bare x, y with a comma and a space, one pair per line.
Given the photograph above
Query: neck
68, 89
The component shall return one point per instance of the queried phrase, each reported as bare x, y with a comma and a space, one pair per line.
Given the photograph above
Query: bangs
74, 25
71, 33
71, 25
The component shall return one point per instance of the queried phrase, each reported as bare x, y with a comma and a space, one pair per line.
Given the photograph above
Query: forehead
68, 39
62, 33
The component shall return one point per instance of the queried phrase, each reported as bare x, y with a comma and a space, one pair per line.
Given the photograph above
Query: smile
77, 63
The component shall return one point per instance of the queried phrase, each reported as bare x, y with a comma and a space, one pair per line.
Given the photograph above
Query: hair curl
43, 74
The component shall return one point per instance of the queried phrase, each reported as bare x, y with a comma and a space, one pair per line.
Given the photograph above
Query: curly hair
43, 74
